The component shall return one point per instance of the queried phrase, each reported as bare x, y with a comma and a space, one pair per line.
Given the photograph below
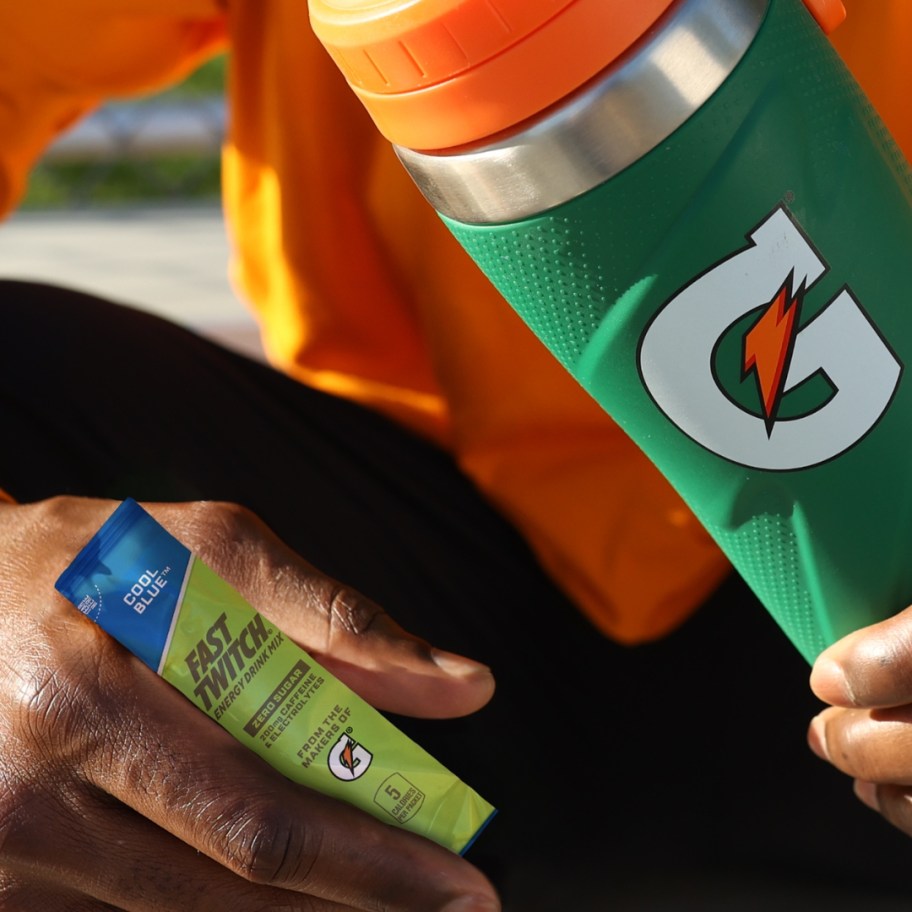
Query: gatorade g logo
733, 360
348, 760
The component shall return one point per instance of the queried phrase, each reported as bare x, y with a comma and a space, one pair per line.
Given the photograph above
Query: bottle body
734, 301
694, 207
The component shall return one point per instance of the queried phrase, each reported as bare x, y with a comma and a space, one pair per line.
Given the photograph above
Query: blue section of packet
128, 579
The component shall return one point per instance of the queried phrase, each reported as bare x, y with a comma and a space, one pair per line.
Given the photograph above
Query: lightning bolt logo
347, 758
768, 347
747, 330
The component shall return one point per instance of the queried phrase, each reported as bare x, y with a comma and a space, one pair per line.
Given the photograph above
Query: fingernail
866, 792
456, 665
472, 904
830, 682
817, 737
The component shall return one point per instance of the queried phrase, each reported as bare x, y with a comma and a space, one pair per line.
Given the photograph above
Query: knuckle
232, 540
350, 612
337, 613
59, 712
222, 521
45, 521
267, 846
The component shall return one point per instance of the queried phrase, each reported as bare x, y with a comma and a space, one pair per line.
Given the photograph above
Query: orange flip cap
435, 74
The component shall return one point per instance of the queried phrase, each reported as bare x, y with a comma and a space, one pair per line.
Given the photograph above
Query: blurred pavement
171, 260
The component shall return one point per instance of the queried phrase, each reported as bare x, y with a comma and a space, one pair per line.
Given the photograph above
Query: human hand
117, 793
867, 730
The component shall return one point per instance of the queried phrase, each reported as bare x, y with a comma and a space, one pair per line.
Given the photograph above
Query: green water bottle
695, 208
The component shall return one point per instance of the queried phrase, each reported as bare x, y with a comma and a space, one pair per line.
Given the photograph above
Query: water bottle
696, 209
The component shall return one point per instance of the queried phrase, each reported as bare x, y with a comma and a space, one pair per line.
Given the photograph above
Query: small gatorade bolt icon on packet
146, 589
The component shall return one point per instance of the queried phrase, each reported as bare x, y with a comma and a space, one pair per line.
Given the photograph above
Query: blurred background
127, 205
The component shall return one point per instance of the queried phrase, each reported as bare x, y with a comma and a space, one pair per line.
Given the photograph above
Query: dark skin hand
117, 793
867, 730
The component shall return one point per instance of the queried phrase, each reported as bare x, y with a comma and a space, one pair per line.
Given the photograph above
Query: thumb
869, 668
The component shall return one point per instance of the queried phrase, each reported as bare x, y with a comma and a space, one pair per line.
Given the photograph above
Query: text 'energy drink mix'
141, 585
695, 208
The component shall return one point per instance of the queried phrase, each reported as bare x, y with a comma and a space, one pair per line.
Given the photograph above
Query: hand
867, 730
117, 793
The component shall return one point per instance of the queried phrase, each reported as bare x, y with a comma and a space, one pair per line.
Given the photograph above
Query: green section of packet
146, 589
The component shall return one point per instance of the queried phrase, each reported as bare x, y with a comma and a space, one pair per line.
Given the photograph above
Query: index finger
349, 634
869, 668
179, 769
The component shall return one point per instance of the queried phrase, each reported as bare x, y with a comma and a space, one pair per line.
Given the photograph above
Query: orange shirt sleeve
875, 41
300, 170
363, 292
60, 58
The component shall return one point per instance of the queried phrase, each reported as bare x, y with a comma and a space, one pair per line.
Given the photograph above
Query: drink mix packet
146, 589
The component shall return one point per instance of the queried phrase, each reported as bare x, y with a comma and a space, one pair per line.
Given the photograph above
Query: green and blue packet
159, 600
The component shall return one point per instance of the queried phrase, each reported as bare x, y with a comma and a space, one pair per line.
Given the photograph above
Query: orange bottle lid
435, 74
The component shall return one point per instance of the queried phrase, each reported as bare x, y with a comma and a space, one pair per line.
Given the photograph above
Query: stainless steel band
609, 124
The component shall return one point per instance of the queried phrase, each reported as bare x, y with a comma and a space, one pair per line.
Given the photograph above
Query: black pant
660, 776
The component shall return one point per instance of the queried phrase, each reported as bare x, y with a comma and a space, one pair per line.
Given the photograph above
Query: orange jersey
361, 291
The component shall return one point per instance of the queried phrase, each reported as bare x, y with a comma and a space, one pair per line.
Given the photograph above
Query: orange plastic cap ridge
441, 73
828, 13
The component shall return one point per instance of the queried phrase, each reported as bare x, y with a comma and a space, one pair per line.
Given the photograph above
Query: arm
114, 789
62, 59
